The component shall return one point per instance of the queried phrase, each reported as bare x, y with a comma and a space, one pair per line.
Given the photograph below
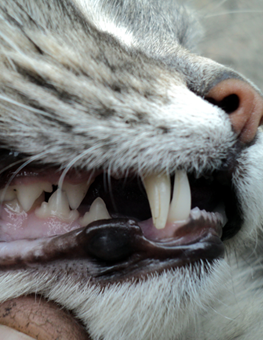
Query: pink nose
243, 104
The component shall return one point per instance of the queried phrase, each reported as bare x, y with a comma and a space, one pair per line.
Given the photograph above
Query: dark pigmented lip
117, 249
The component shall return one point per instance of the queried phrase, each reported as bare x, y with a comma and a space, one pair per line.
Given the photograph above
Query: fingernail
7, 333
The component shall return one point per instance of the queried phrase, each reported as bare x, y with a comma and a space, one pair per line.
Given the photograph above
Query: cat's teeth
158, 189
7, 194
57, 206
75, 193
181, 203
98, 211
28, 193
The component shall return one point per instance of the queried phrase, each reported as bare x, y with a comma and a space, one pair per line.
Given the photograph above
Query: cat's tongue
38, 319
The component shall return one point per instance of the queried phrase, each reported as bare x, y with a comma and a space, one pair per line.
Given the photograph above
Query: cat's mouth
122, 226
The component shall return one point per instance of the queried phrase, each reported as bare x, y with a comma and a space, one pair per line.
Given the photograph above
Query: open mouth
123, 225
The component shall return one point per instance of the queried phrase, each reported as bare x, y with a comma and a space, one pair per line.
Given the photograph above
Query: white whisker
23, 106
12, 165
74, 161
26, 163
32, 159
237, 11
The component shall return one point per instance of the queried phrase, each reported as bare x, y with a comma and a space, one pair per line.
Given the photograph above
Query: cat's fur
112, 84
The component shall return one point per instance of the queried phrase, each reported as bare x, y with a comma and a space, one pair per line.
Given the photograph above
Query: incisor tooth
98, 211
181, 203
28, 193
7, 194
76, 192
57, 206
158, 189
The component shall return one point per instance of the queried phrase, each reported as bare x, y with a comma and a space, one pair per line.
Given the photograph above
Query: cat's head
127, 168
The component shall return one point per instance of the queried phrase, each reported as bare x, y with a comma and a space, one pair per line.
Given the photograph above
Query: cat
131, 176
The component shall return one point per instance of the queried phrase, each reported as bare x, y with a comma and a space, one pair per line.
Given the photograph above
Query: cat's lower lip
116, 249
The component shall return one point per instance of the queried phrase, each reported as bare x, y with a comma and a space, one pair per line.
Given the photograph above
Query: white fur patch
178, 304
94, 11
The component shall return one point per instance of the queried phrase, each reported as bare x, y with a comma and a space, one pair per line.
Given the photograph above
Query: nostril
242, 102
229, 104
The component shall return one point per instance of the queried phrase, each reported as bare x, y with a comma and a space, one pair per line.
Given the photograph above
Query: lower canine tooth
158, 189
98, 211
181, 203
57, 206
27, 194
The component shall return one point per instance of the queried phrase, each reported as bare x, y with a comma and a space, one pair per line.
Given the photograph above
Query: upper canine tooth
7, 194
97, 211
181, 203
76, 192
158, 189
28, 193
57, 206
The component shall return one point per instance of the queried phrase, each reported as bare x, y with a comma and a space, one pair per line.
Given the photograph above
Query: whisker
12, 165
30, 160
110, 188
11, 43
74, 161
7, 185
237, 11
126, 176
23, 106
219, 4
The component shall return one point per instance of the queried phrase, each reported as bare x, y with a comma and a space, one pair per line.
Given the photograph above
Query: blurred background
233, 34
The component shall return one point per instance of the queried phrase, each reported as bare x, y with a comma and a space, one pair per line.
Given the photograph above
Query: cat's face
125, 174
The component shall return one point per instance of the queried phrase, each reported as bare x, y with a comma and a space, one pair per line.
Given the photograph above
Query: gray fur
72, 94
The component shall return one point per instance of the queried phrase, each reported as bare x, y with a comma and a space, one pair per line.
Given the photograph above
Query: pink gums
22, 225
154, 234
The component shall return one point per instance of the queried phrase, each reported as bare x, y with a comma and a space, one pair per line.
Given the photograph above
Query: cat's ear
243, 103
